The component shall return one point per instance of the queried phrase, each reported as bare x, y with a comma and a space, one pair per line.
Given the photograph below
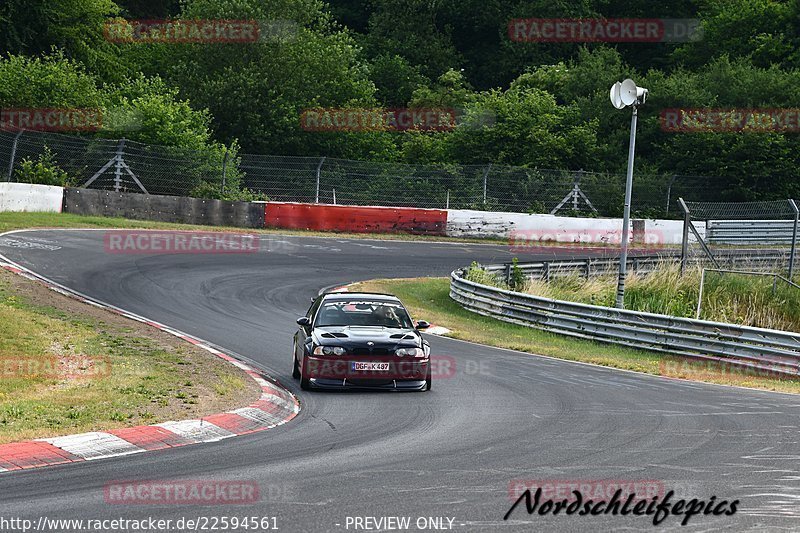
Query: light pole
623, 95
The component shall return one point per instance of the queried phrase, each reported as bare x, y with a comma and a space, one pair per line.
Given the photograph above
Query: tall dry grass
733, 298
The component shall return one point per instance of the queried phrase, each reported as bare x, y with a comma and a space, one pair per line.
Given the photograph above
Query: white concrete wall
27, 197
521, 228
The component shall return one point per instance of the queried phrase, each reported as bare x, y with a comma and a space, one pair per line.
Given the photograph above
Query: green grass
64, 374
428, 299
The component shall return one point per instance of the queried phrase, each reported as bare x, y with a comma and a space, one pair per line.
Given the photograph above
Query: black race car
360, 340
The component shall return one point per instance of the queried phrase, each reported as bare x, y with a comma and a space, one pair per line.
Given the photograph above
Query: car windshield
363, 313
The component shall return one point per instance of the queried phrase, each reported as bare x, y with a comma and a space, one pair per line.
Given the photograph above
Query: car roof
338, 296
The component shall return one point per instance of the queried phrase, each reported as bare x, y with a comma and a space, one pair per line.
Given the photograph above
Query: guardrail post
13, 154
508, 273
546, 271
794, 237
588, 268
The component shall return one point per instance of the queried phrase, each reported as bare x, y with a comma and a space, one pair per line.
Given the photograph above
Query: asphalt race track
452, 452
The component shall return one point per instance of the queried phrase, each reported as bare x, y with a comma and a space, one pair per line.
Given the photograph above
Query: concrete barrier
356, 219
163, 208
27, 197
532, 228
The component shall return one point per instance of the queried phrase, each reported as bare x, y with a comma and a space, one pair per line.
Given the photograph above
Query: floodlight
628, 92
616, 99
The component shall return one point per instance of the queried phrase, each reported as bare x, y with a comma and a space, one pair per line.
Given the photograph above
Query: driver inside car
385, 316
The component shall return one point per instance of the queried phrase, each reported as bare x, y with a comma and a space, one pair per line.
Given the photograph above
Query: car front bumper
333, 372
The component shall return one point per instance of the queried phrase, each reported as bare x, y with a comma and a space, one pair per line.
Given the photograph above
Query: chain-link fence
744, 235
125, 165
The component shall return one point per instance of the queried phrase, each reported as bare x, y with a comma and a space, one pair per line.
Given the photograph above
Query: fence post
13, 154
700, 295
685, 240
319, 170
794, 238
485, 178
447, 205
669, 192
224, 169
118, 167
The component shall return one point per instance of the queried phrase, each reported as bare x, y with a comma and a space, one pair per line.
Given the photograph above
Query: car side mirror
303, 321
422, 325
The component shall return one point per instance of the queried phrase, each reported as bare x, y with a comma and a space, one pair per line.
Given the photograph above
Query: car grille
372, 351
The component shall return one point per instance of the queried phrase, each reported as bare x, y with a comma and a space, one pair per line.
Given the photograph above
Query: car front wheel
295, 370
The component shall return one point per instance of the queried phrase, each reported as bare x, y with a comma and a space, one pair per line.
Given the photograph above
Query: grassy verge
428, 298
66, 367
732, 298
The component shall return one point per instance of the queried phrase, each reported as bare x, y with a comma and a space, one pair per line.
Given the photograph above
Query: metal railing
750, 231
777, 352
761, 259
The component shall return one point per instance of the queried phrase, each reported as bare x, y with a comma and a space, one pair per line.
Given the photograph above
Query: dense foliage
533, 104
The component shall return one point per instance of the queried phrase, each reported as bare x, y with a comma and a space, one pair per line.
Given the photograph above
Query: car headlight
413, 352
329, 350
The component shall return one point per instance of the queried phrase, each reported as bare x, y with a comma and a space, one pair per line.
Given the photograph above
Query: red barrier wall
356, 219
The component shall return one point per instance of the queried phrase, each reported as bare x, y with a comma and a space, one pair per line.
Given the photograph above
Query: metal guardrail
643, 264
750, 231
773, 351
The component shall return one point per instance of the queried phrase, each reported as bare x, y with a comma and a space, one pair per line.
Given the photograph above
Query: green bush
43, 171
477, 274
214, 191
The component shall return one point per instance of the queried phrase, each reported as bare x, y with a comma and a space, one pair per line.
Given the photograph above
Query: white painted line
257, 415
261, 381
240, 365
197, 430
95, 445
277, 400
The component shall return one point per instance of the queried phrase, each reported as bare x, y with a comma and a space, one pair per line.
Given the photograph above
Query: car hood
360, 335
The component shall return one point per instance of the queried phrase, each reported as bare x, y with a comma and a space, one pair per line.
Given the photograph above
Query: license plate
369, 367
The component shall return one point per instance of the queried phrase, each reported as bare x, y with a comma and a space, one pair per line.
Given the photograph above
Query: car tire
295, 370
428, 379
